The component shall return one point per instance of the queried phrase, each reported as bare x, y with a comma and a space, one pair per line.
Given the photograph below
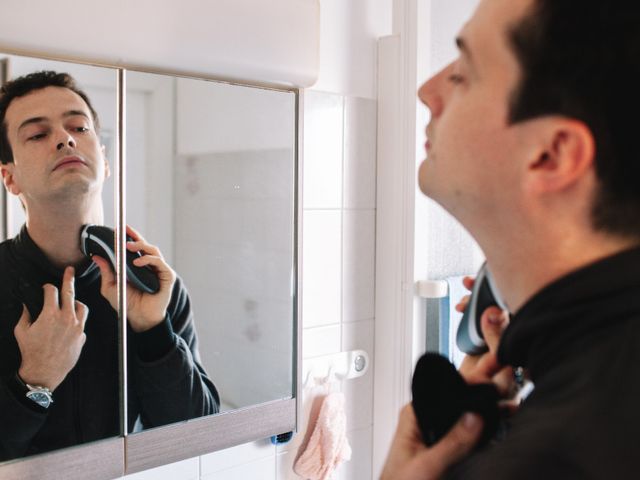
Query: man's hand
410, 459
144, 310
484, 368
51, 345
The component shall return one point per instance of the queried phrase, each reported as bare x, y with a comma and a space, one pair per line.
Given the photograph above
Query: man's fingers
82, 312
133, 233
67, 290
107, 280
454, 446
493, 323
164, 271
144, 247
504, 381
51, 299
25, 320
108, 276
468, 282
462, 304
483, 369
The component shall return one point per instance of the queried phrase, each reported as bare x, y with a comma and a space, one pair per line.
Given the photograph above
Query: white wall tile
284, 466
264, 469
359, 467
358, 274
349, 33
360, 123
184, 470
321, 269
320, 341
359, 391
323, 142
236, 456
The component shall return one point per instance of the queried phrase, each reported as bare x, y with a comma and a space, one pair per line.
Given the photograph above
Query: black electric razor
484, 294
99, 240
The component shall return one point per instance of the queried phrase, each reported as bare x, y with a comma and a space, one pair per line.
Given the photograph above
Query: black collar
30, 256
596, 296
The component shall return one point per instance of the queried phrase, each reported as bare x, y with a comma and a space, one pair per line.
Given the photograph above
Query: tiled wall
339, 254
338, 288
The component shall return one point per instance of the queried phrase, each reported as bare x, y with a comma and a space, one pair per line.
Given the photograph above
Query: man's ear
8, 179
564, 155
107, 171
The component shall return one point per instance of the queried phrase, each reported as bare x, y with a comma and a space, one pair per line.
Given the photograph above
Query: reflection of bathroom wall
150, 153
233, 249
210, 181
233, 189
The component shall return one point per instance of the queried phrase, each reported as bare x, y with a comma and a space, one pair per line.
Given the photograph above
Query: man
531, 146
58, 322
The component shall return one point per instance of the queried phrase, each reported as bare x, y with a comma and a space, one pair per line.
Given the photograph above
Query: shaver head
484, 294
99, 240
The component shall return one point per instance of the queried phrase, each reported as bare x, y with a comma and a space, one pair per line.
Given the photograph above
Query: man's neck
521, 272
56, 231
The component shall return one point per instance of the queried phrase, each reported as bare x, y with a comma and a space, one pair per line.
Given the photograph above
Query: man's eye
456, 78
37, 136
81, 129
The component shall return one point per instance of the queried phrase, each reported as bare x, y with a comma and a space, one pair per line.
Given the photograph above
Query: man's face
472, 162
56, 150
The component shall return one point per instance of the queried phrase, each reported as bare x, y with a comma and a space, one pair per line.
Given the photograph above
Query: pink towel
328, 446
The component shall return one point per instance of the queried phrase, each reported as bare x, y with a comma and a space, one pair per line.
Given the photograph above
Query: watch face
40, 398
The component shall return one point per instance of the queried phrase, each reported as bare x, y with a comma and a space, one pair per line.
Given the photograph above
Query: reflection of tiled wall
234, 250
338, 286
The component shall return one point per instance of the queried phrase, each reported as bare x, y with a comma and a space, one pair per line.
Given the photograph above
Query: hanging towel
328, 446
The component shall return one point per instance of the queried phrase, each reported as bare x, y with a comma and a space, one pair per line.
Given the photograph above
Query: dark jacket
166, 382
580, 340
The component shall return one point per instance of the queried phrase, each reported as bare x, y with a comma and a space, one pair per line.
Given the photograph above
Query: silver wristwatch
40, 395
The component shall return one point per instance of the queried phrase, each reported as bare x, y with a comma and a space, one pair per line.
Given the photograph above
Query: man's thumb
493, 322
25, 320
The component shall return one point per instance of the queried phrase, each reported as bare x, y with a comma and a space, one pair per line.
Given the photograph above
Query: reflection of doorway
150, 138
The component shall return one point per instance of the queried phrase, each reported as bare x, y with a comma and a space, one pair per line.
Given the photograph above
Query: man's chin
425, 185
76, 189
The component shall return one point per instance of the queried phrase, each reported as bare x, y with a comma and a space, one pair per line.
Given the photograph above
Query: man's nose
432, 92
430, 95
68, 142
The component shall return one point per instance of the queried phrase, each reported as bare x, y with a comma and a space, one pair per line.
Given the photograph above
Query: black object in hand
441, 396
99, 240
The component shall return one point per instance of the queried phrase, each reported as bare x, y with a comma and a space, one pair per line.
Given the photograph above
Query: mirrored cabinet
197, 180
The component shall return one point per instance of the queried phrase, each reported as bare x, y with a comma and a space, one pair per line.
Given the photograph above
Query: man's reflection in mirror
58, 322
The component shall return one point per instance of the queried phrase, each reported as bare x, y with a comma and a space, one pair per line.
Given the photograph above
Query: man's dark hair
24, 85
582, 60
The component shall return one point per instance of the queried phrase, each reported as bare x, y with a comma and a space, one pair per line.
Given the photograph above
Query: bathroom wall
338, 241
233, 205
